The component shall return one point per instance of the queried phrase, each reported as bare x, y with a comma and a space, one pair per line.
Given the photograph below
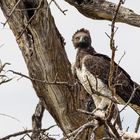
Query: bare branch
11, 12
5, 81
121, 58
21, 33
63, 11
112, 47
112, 129
3, 77
95, 116
115, 132
25, 132
37, 120
43, 81
92, 124
137, 125
104, 10
100, 94
9, 116
129, 135
132, 95
2, 66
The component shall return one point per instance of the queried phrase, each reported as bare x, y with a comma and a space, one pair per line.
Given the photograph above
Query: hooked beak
81, 40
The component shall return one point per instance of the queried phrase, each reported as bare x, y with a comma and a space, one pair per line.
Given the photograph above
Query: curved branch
105, 10
42, 47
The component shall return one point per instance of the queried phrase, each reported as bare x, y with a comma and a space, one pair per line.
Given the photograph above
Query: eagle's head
81, 38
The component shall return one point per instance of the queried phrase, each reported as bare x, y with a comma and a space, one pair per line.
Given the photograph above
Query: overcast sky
18, 98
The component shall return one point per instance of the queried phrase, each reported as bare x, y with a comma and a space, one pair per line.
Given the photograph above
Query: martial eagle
92, 70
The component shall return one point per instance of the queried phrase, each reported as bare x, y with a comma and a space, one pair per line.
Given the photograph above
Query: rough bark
105, 10
37, 121
42, 47
43, 50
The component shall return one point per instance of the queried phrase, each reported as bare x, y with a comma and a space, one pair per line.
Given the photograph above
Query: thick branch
43, 49
105, 10
37, 121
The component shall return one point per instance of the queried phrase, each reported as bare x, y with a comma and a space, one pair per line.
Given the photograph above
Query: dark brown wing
99, 66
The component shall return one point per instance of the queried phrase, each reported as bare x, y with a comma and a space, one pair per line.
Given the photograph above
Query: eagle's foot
99, 113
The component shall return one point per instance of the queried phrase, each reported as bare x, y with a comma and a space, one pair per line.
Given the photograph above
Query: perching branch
43, 50
113, 131
75, 133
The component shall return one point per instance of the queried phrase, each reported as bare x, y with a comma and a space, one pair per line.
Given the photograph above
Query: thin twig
11, 12
38, 7
43, 81
63, 11
9, 116
108, 123
111, 127
5, 81
110, 110
26, 9
116, 71
100, 94
2, 66
95, 116
117, 115
112, 47
121, 58
137, 125
76, 132
113, 131
3, 77
132, 95
25, 132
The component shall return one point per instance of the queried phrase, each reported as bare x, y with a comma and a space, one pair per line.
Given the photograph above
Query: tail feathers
136, 96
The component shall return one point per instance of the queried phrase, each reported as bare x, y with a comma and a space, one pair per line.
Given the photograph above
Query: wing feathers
99, 66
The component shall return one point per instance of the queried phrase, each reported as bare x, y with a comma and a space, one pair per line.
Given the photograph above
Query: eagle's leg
104, 104
101, 104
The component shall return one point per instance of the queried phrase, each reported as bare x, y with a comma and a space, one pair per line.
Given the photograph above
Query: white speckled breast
88, 81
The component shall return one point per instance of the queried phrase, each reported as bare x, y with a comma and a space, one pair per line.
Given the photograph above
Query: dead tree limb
37, 121
105, 10
24, 132
137, 125
42, 47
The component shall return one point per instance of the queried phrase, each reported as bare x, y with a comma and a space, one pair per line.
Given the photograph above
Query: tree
43, 50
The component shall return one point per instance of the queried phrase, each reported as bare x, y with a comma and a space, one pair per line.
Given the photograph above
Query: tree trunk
43, 50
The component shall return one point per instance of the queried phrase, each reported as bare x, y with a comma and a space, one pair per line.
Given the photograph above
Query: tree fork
43, 50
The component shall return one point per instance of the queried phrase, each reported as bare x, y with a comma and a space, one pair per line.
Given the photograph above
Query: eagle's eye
77, 38
86, 38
